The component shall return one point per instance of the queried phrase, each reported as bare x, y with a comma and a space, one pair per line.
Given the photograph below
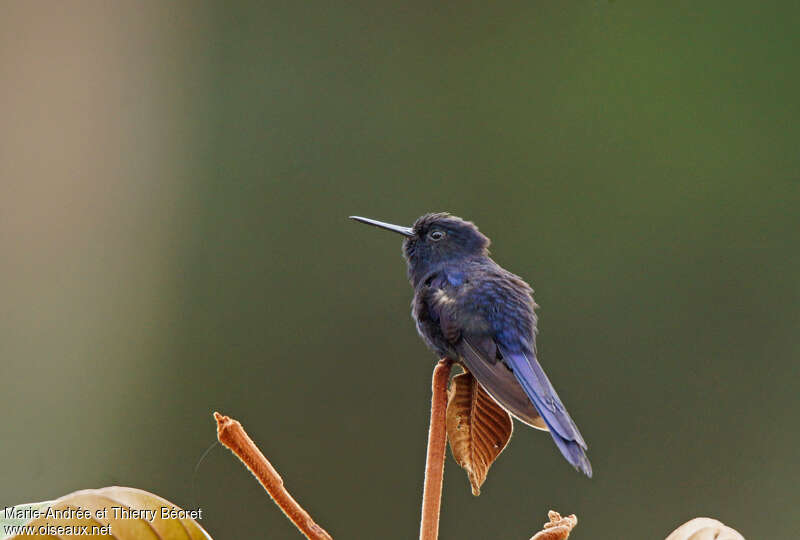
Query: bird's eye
436, 235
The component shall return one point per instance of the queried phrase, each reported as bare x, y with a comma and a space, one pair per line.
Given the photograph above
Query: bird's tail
574, 452
544, 397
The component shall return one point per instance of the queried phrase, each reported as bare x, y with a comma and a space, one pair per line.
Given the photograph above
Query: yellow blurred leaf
477, 427
126, 513
704, 529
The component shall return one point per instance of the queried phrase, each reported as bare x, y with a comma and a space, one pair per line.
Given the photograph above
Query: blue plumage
470, 309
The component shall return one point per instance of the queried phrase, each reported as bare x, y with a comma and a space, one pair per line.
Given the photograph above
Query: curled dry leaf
704, 529
477, 427
558, 528
153, 518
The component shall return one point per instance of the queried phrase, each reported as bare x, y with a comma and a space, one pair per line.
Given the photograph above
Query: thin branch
434, 464
232, 434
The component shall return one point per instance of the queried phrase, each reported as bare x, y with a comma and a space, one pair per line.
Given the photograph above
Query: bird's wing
544, 397
478, 352
497, 379
495, 335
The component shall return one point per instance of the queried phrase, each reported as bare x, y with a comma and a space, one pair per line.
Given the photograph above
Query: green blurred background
174, 186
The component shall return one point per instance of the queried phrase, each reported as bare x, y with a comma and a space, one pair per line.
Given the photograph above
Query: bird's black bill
405, 231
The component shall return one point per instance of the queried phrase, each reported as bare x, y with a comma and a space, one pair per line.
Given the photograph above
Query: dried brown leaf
477, 427
558, 528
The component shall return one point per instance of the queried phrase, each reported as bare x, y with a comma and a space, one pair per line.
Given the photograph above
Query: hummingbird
468, 308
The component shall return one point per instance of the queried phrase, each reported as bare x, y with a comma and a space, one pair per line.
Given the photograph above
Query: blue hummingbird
471, 310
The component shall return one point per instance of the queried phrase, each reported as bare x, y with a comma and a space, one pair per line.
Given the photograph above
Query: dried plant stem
558, 528
231, 434
434, 464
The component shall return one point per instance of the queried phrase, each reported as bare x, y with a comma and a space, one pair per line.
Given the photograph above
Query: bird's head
436, 238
